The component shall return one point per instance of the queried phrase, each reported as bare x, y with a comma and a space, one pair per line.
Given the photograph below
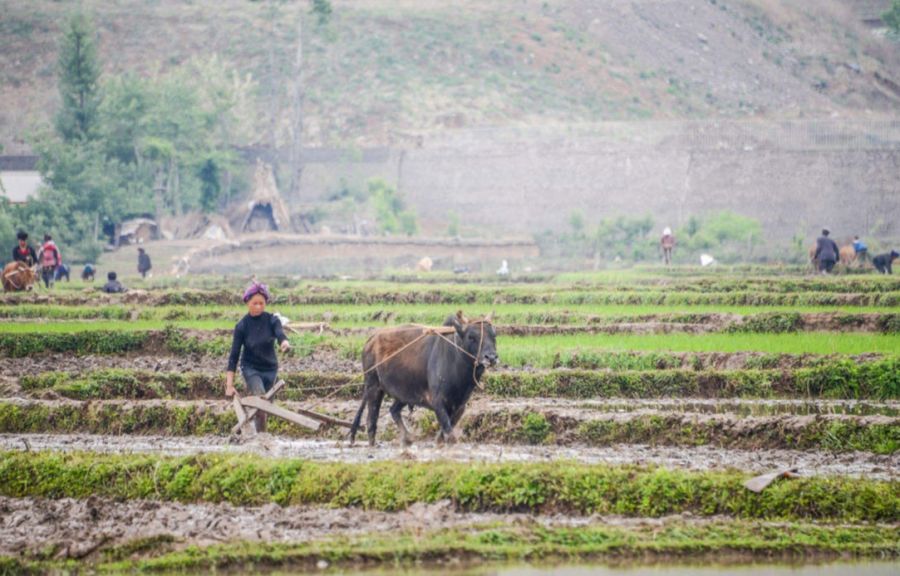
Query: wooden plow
247, 407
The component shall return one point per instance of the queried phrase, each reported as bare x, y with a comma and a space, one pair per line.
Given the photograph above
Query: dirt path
18, 367
80, 528
689, 458
728, 411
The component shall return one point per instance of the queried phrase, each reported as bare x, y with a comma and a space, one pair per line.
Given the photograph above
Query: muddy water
865, 464
72, 528
873, 568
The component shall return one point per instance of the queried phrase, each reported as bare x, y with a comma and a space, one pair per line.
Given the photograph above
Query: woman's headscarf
257, 288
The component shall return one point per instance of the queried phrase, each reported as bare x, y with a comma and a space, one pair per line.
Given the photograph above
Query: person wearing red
50, 258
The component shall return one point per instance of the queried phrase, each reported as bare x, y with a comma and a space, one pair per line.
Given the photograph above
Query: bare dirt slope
382, 68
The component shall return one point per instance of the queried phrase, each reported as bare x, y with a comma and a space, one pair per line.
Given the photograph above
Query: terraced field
625, 415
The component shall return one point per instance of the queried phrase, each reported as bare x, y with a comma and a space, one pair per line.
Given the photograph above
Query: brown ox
433, 368
18, 277
848, 255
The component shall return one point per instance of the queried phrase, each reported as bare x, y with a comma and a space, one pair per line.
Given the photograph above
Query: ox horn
461, 317
490, 316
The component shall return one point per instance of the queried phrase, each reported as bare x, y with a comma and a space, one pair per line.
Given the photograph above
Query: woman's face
256, 305
22, 243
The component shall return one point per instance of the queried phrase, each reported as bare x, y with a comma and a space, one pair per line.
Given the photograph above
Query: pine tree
79, 71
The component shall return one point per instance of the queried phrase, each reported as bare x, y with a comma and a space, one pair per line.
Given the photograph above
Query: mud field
621, 422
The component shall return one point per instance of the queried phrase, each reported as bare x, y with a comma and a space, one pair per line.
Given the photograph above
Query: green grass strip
833, 379
543, 350
357, 315
564, 487
480, 295
80, 343
538, 351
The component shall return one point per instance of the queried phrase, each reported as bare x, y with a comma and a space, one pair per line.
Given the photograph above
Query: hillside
382, 71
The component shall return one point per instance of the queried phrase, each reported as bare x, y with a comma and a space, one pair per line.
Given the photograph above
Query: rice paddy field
626, 413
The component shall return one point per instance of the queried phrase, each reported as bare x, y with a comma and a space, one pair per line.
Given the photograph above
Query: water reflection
668, 569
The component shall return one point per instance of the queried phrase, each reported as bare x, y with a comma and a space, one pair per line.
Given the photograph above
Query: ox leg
374, 400
354, 428
370, 384
454, 420
446, 423
457, 416
397, 415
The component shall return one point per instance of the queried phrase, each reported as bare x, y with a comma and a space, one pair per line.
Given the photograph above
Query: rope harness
15, 272
427, 331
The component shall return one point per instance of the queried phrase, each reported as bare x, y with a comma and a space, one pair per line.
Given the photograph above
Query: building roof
130, 227
18, 163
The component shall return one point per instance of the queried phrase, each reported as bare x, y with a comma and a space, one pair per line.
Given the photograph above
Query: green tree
210, 189
84, 190
7, 221
134, 145
625, 237
892, 17
79, 72
576, 222
125, 102
321, 9
730, 236
390, 212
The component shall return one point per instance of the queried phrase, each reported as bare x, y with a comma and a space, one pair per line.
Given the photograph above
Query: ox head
478, 337
31, 276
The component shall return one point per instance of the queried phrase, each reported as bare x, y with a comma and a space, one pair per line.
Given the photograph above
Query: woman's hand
285, 346
229, 384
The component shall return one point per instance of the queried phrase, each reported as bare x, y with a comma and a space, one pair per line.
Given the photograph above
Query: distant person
23, 252
112, 286
144, 265
860, 249
50, 258
88, 273
62, 271
504, 269
667, 243
827, 252
883, 262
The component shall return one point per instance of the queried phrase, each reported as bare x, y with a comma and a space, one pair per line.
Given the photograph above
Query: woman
256, 333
